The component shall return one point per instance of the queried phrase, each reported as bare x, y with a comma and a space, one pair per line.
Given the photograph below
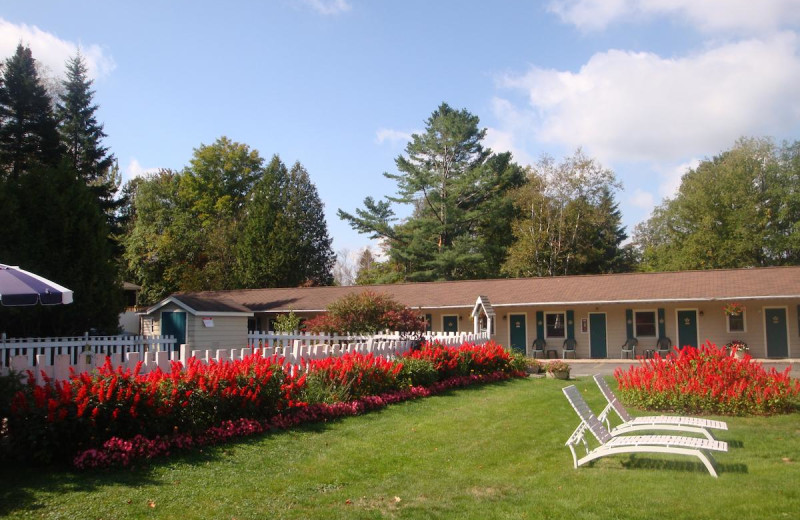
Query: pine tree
28, 133
82, 135
460, 226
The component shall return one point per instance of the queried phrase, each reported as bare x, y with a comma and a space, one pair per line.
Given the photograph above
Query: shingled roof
684, 286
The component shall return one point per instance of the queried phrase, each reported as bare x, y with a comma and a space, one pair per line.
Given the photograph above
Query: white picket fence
55, 356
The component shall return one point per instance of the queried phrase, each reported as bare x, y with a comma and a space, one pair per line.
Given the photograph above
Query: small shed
199, 323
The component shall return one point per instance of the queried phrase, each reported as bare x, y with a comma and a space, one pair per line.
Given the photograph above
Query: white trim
728, 323
525, 318
788, 331
458, 325
678, 325
605, 318
564, 314
655, 323
653, 300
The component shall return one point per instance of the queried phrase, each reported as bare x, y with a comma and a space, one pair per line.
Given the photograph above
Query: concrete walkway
606, 367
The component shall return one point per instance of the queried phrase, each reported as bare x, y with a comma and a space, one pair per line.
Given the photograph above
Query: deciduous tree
740, 208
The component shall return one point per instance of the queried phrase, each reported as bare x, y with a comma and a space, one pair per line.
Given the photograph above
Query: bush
708, 381
468, 359
350, 376
55, 419
417, 372
366, 312
10, 384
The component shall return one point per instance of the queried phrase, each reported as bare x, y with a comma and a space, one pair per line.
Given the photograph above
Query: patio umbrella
19, 287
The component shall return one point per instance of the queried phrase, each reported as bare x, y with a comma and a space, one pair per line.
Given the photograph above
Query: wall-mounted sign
208, 322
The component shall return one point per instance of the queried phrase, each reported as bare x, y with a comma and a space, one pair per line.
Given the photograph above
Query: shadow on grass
681, 465
24, 486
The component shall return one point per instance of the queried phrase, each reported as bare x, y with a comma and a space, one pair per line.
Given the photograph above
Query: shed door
597, 335
173, 323
518, 332
777, 338
687, 328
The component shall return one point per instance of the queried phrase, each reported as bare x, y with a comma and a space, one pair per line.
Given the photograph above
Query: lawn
495, 451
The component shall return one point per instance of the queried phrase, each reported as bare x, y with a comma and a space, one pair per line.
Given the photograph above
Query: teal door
687, 328
597, 335
777, 337
450, 323
174, 324
518, 332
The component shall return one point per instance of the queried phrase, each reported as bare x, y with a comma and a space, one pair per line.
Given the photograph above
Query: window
554, 325
736, 322
644, 323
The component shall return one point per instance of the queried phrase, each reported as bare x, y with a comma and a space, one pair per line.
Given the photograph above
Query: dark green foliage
82, 135
226, 222
284, 240
10, 384
52, 223
738, 209
53, 227
460, 227
28, 134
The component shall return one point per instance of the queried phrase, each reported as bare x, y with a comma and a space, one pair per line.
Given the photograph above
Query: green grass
495, 451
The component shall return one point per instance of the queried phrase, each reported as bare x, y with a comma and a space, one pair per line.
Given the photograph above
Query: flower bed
115, 416
708, 381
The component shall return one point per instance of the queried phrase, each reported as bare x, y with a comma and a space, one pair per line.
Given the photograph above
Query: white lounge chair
651, 422
672, 444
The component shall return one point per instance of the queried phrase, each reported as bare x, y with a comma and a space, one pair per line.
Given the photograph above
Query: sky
647, 87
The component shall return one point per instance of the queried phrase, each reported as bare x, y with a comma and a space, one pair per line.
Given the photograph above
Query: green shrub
417, 372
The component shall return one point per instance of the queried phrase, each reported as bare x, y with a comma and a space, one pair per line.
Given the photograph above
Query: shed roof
681, 286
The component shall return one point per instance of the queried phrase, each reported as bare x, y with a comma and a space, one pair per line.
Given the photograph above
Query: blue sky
648, 87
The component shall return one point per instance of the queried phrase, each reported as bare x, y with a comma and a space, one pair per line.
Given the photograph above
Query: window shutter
539, 324
570, 324
629, 322
661, 324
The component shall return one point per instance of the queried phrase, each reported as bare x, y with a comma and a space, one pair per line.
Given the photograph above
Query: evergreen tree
28, 133
284, 240
64, 238
82, 135
460, 227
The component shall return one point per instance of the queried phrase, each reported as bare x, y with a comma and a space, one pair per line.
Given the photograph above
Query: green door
777, 337
597, 335
450, 323
174, 324
518, 332
687, 328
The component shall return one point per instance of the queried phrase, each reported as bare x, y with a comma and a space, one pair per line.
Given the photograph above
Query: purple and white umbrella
19, 287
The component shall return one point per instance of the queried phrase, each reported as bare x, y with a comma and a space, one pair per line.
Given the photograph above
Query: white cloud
642, 199
640, 106
671, 177
747, 16
393, 137
51, 50
134, 169
329, 7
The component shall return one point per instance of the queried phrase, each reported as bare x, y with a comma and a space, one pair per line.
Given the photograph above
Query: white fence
55, 356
